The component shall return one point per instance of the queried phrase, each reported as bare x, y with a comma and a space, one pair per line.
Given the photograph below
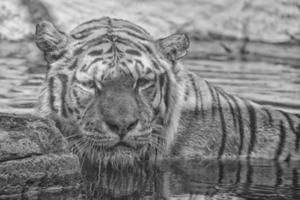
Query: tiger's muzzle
118, 117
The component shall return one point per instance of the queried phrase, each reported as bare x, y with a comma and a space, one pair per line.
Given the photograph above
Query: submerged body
121, 97
221, 125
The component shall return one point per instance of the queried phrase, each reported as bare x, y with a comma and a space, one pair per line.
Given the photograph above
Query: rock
23, 136
263, 30
34, 156
39, 173
18, 18
256, 20
14, 20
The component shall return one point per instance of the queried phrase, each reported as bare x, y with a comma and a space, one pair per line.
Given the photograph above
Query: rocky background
235, 27
274, 21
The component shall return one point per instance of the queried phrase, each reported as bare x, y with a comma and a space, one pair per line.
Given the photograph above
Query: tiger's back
215, 124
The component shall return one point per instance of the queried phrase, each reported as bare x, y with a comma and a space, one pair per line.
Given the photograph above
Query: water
19, 85
189, 180
276, 85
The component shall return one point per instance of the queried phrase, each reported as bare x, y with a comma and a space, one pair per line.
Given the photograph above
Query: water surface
189, 180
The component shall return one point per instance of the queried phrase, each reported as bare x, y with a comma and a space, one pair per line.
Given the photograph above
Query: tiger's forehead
106, 25
104, 47
104, 32
105, 67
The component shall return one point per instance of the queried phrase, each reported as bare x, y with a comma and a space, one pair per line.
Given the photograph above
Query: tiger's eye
143, 82
89, 84
98, 85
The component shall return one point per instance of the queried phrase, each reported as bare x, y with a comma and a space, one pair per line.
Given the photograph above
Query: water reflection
130, 183
194, 179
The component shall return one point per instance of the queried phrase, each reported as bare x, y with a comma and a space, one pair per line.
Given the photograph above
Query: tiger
121, 97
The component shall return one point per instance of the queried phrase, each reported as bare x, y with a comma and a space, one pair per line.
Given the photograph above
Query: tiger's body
120, 96
240, 127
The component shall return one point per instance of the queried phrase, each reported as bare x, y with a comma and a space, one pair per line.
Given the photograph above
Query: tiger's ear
174, 46
50, 40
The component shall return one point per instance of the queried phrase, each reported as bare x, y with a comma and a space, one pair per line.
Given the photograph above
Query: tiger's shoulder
216, 124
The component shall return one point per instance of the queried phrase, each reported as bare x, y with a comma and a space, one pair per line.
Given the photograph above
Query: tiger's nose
121, 128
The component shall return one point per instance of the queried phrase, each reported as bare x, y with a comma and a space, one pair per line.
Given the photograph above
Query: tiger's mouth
111, 144
123, 145
117, 152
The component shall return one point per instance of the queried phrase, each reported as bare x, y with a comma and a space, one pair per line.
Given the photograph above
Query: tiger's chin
106, 152
113, 153
118, 156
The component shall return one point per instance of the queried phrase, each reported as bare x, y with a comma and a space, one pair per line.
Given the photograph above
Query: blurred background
248, 47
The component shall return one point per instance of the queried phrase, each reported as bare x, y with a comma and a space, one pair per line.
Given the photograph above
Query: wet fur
196, 119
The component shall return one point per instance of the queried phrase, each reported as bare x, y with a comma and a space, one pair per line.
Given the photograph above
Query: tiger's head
114, 90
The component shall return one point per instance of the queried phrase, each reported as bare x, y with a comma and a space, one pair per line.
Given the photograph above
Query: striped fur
215, 124
182, 115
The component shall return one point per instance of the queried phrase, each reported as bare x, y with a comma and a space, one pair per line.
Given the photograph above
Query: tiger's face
112, 88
